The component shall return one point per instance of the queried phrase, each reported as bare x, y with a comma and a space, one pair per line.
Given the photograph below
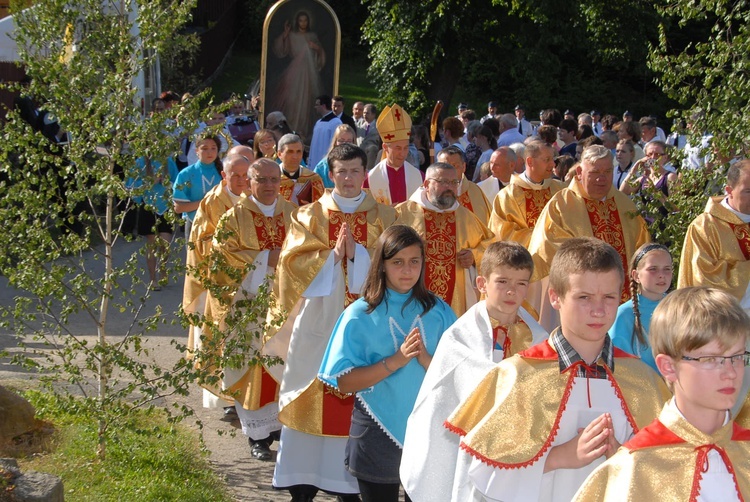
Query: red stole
271, 232
535, 202
742, 234
358, 227
440, 262
465, 200
606, 226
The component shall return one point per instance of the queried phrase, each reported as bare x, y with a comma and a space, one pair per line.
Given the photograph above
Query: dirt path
249, 479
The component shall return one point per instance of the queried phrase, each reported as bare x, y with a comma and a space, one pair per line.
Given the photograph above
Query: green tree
59, 201
578, 55
702, 60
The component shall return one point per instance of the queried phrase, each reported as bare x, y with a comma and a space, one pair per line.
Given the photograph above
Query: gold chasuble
472, 198
445, 234
303, 190
716, 251
242, 233
525, 396
305, 403
212, 207
743, 416
517, 207
667, 460
571, 213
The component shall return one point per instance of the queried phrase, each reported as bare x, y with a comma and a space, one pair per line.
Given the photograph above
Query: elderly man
516, 209
590, 207
469, 194
251, 234
716, 252
455, 237
299, 185
502, 165
393, 180
323, 263
212, 207
509, 131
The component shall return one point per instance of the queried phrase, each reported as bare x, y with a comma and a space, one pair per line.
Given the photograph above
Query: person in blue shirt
650, 278
148, 183
195, 181
380, 350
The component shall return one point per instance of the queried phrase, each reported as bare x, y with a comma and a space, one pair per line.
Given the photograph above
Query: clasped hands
345, 244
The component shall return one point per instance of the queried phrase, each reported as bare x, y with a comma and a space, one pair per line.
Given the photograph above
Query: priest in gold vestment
716, 252
212, 207
468, 193
322, 267
299, 185
251, 233
589, 207
455, 238
517, 207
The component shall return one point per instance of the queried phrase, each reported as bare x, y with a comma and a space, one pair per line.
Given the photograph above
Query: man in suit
338, 109
368, 136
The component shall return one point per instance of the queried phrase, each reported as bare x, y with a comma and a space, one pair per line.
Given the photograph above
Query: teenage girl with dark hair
380, 350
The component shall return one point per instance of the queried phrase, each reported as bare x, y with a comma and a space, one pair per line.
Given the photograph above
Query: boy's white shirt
532, 483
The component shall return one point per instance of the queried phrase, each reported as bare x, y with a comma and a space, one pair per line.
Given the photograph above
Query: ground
249, 479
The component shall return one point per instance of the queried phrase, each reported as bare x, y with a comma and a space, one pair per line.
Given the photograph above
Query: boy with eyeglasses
693, 450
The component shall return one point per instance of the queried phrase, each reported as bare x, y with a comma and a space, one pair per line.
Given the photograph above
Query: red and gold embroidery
357, 223
465, 201
270, 231
440, 263
606, 226
535, 202
742, 234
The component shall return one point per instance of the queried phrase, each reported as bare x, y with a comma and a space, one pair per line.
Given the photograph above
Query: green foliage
138, 466
702, 61
545, 53
63, 203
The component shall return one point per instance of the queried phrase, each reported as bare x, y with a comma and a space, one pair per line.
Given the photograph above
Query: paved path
249, 479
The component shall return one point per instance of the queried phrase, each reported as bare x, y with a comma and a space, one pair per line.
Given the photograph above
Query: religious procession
461, 306
500, 333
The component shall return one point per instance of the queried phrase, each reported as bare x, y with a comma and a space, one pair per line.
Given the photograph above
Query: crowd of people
482, 315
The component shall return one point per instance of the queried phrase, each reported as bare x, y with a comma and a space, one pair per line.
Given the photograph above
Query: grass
164, 464
243, 69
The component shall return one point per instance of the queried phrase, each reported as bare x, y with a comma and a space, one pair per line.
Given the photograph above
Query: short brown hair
535, 148
453, 125
505, 254
579, 255
689, 318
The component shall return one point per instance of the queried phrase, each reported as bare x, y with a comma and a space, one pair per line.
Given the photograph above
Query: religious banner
300, 61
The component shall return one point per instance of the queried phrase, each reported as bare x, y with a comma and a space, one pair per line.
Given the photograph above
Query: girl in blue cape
380, 350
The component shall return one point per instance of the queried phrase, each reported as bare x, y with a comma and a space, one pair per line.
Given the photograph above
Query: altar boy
541, 421
693, 451
432, 467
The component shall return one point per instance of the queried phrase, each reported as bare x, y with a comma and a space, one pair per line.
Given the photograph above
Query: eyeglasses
266, 181
656, 155
716, 362
453, 183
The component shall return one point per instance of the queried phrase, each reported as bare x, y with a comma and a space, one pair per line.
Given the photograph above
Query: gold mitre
394, 124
